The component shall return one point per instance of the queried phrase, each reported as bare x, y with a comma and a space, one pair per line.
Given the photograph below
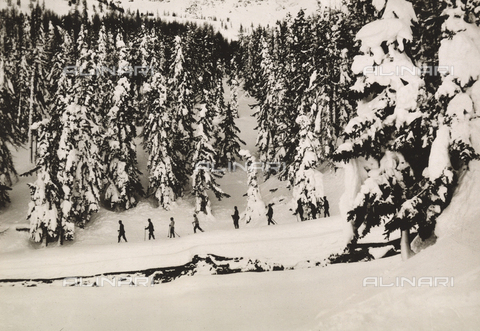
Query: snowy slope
102, 230
103, 227
225, 15
286, 244
323, 298
329, 298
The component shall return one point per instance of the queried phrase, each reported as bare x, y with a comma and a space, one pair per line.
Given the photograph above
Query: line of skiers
315, 211
151, 229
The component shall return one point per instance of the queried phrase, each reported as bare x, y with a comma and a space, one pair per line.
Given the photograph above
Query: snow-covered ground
320, 298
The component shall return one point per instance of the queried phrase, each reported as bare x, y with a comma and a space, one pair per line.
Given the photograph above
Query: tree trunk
30, 116
405, 249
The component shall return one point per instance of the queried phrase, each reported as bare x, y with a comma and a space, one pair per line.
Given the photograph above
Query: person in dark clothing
150, 230
172, 228
196, 224
270, 214
299, 210
326, 207
319, 206
313, 209
121, 232
236, 218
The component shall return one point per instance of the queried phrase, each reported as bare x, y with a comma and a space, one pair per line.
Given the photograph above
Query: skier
196, 224
270, 214
150, 230
172, 228
319, 207
235, 217
326, 207
299, 210
121, 232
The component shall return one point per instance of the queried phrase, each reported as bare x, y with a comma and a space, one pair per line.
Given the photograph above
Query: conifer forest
124, 115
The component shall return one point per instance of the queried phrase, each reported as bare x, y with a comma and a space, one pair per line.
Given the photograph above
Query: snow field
225, 16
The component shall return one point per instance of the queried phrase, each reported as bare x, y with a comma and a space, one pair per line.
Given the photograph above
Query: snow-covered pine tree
228, 143
157, 141
152, 50
461, 85
36, 63
217, 94
305, 180
204, 172
255, 212
389, 102
328, 92
250, 61
17, 76
52, 47
118, 148
303, 67
424, 150
201, 46
106, 69
147, 42
181, 99
458, 96
152, 58
234, 85
44, 211
9, 131
214, 106
80, 171
268, 114
295, 72
147, 58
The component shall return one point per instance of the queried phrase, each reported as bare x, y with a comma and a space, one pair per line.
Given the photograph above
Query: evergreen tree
144, 53
181, 99
9, 131
80, 169
327, 96
39, 62
106, 69
389, 103
411, 179
204, 173
234, 85
268, 115
119, 148
451, 150
228, 143
306, 181
45, 213
157, 142
249, 62
255, 212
